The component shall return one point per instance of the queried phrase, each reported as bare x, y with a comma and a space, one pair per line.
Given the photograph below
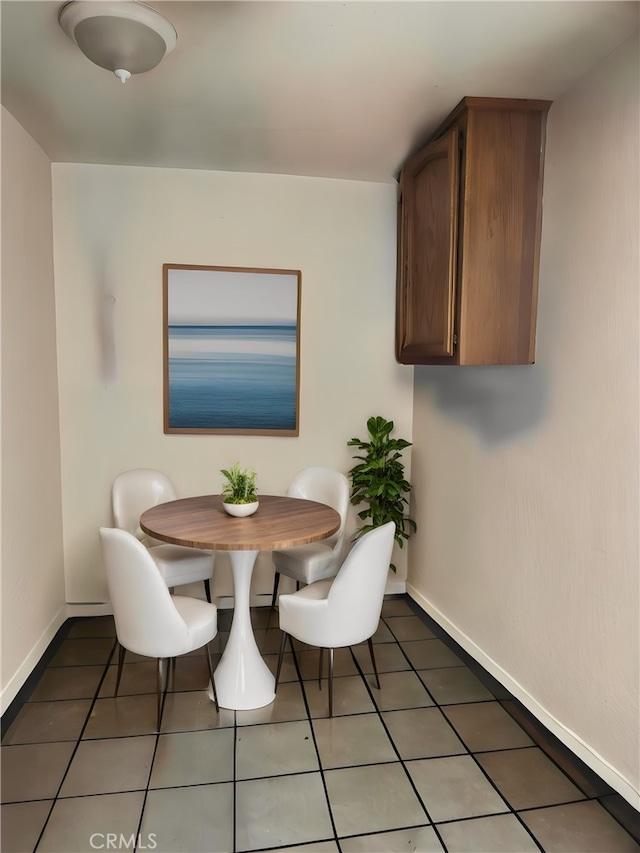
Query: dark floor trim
36, 674
580, 774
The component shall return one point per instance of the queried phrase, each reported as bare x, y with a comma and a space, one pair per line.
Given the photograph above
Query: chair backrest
357, 592
147, 621
135, 491
327, 487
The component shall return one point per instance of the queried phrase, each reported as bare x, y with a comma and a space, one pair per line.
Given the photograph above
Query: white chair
343, 611
318, 560
137, 490
149, 620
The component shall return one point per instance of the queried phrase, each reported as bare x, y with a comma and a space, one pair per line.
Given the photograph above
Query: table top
278, 523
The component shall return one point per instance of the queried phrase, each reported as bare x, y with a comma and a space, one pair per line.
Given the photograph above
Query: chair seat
201, 618
306, 563
184, 565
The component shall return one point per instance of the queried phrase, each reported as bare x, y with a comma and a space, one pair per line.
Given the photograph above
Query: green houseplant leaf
378, 480
239, 485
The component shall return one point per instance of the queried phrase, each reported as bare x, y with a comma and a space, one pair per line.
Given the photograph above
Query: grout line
471, 754
395, 749
315, 743
75, 749
546, 741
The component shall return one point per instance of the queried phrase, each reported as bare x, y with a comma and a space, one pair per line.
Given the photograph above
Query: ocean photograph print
231, 350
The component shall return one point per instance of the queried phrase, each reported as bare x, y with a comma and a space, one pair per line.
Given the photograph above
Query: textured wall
32, 574
526, 478
115, 227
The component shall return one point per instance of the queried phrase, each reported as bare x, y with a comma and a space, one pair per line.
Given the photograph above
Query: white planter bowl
241, 510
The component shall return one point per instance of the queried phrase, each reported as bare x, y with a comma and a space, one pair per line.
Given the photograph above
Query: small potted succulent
239, 493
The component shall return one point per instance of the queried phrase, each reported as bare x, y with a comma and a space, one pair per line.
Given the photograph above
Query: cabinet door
427, 252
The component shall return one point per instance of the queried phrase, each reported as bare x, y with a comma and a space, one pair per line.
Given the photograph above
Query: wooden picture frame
231, 350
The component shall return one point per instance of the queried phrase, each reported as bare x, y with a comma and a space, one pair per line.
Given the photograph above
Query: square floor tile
193, 758
422, 733
197, 819
185, 712
76, 822
389, 658
287, 706
288, 671
136, 678
33, 771
308, 661
454, 788
109, 766
280, 811
275, 750
421, 839
498, 834
21, 824
84, 652
526, 778
67, 682
383, 634
347, 741
399, 690
578, 828
429, 654
396, 607
264, 617
454, 685
486, 725
350, 696
369, 801
93, 626
408, 628
191, 673
37, 722
268, 640
123, 716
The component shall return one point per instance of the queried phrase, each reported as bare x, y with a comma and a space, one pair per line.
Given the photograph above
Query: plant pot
241, 510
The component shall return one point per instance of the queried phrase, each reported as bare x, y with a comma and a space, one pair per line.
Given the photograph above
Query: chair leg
373, 661
320, 669
274, 595
161, 686
121, 653
331, 682
283, 643
207, 590
213, 681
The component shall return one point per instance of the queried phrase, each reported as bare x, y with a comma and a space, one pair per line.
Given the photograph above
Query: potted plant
378, 481
239, 493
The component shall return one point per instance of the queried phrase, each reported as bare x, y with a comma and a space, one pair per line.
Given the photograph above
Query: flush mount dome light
125, 37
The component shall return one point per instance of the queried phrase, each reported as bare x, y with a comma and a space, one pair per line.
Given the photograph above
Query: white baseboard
569, 738
89, 609
15, 683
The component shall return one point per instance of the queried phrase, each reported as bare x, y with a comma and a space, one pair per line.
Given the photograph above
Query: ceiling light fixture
125, 37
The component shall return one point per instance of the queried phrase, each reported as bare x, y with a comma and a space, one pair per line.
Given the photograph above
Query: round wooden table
243, 680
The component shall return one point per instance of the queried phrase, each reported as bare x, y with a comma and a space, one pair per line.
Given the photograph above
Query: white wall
526, 478
32, 567
114, 228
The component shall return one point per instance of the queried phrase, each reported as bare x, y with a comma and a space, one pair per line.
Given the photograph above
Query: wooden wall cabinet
469, 219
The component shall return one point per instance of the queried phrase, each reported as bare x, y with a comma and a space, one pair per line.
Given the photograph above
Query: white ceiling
330, 89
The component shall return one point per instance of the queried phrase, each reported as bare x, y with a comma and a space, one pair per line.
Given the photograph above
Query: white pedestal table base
243, 680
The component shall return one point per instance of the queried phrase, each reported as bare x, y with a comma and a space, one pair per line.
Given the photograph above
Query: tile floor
430, 762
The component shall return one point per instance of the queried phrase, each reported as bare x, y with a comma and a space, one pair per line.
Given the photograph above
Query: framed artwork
231, 350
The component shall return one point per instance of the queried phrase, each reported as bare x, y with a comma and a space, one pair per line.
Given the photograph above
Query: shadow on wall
498, 403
